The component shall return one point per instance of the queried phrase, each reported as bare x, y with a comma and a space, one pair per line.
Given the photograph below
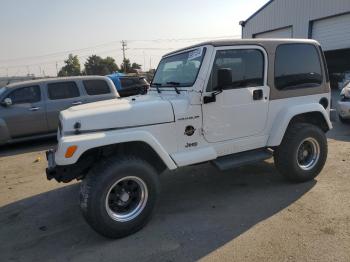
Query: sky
37, 35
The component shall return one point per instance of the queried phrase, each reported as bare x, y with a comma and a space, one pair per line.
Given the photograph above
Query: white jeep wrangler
227, 102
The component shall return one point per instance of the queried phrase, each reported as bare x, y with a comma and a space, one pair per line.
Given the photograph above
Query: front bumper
63, 174
51, 165
343, 108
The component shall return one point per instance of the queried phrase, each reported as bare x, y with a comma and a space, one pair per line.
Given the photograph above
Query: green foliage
135, 66
72, 67
96, 65
125, 66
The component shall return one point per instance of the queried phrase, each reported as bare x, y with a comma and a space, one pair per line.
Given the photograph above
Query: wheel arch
140, 143
312, 113
138, 149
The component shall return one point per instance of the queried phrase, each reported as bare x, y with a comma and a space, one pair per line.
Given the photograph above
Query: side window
247, 66
29, 94
126, 82
297, 66
62, 90
96, 87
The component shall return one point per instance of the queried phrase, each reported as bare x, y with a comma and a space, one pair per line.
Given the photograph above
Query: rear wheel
302, 153
118, 197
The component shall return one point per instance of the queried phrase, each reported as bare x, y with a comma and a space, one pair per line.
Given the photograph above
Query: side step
241, 159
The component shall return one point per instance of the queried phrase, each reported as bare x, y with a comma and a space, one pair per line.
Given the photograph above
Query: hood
118, 113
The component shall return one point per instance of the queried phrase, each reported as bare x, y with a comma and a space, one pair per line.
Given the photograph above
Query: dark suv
129, 85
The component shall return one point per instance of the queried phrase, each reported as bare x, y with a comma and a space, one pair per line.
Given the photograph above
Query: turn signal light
70, 151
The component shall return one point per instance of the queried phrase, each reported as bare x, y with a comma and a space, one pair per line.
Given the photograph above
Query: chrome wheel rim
308, 153
126, 198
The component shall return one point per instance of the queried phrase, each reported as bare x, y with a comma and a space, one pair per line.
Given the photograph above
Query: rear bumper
63, 174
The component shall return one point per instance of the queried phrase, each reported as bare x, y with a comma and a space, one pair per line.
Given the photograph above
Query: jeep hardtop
229, 102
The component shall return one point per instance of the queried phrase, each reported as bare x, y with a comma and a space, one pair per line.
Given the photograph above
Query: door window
127, 82
297, 66
62, 90
28, 94
247, 66
96, 87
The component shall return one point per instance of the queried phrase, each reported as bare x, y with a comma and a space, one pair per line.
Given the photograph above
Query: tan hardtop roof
53, 79
254, 41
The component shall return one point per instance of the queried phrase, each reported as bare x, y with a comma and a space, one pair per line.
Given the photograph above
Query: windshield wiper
157, 85
175, 85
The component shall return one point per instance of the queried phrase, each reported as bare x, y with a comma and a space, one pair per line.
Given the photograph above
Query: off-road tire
286, 155
96, 185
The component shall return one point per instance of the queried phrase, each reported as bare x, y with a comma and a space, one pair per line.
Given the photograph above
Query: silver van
30, 109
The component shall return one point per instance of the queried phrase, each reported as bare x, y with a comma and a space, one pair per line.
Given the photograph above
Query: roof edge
258, 11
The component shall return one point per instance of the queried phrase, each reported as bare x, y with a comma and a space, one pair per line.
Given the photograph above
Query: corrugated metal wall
296, 13
333, 33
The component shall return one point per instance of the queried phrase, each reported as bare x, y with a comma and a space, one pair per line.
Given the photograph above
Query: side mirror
7, 102
224, 78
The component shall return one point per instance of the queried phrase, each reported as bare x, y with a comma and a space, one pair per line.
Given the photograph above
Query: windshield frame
204, 50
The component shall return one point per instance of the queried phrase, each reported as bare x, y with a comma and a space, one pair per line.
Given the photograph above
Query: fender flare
99, 139
283, 119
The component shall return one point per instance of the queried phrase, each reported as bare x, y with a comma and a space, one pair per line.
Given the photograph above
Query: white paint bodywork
235, 114
234, 123
108, 114
343, 107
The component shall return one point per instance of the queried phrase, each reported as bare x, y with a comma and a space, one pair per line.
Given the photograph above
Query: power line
114, 42
83, 53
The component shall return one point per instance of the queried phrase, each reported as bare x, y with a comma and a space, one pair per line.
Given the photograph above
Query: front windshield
179, 70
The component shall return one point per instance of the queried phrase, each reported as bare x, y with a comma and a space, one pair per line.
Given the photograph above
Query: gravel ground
246, 214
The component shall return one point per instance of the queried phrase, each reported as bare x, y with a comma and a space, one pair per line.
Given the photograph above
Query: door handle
34, 108
258, 94
77, 103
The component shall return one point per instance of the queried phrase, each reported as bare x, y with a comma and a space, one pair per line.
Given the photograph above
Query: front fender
99, 139
282, 120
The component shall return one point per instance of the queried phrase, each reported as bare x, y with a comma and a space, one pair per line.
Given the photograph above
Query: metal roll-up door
333, 33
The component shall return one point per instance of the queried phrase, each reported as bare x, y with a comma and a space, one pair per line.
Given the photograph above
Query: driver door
27, 115
240, 110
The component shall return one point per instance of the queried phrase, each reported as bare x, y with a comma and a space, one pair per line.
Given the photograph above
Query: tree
96, 65
125, 66
71, 68
110, 64
135, 66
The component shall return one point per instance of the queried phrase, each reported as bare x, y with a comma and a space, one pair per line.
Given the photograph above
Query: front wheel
302, 153
118, 197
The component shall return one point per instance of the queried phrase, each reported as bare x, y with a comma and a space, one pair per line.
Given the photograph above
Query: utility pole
124, 58
144, 61
56, 69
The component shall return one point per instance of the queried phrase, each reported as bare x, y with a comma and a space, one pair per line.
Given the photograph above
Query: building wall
298, 13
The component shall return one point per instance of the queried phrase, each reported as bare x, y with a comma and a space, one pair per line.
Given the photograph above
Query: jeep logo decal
189, 130
191, 144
